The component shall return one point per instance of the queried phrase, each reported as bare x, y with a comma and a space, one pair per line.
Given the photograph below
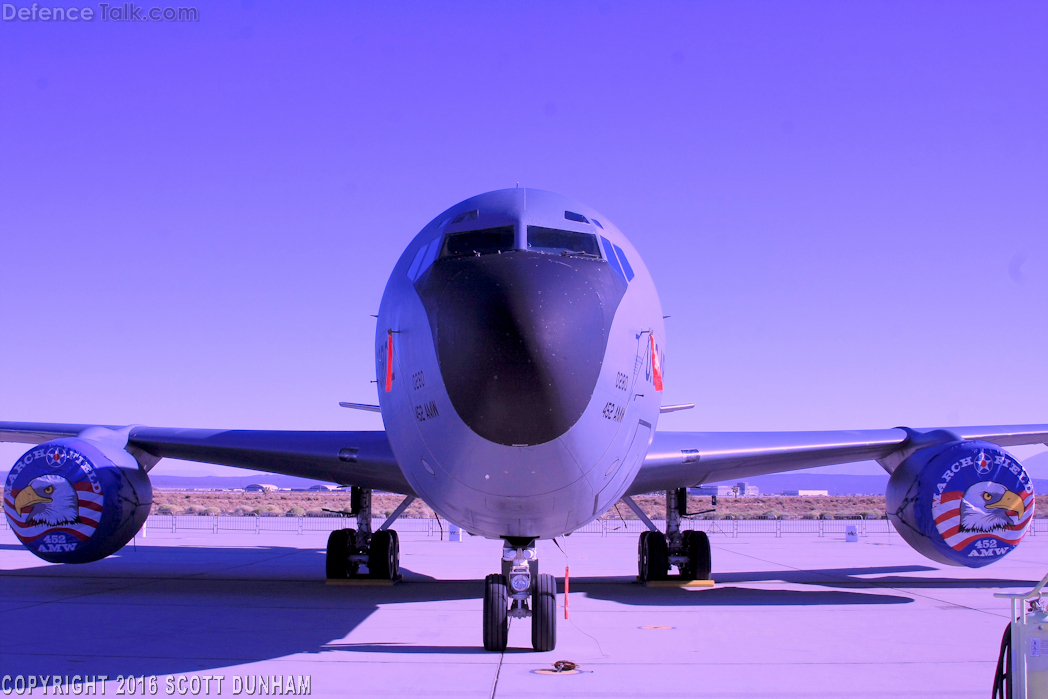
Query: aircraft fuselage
521, 394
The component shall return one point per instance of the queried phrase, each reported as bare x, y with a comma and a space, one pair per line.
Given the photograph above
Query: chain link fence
603, 527
287, 525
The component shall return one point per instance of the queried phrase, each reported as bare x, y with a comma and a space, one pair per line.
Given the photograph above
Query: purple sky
844, 205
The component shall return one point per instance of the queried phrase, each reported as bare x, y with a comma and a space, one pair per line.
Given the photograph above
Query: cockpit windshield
487, 241
554, 241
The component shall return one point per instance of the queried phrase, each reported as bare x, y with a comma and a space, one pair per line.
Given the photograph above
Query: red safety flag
389, 362
656, 369
565, 592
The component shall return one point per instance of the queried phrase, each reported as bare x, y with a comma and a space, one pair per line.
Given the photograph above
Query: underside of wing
347, 458
685, 459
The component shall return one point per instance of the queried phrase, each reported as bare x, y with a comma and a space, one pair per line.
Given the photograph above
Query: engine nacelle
964, 503
75, 501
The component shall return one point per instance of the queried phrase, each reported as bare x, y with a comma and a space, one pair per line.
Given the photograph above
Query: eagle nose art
520, 338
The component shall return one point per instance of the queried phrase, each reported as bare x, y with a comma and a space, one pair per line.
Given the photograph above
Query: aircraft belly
542, 516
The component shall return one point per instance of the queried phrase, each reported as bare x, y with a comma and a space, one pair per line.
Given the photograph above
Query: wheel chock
362, 582
677, 582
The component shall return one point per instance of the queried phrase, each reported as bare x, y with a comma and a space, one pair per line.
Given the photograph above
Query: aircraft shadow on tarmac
165, 610
415, 649
153, 613
619, 590
887, 577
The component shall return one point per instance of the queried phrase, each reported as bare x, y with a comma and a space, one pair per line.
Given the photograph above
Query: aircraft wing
348, 458
686, 459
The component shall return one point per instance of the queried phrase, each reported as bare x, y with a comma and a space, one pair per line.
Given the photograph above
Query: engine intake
963, 503
76, 501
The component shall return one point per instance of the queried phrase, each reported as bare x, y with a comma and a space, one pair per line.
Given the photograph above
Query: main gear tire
383, 555
653, 556
339, 545
697, 549
396, 553
642, 560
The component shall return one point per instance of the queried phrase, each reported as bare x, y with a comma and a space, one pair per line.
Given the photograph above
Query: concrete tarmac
798, 616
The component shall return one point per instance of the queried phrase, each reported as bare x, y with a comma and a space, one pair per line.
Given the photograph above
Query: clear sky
844, 204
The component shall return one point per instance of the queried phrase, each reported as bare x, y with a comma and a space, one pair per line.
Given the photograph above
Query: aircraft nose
520, 338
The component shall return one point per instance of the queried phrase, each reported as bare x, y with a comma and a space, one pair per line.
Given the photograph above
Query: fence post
778, 528
174, 522
820, 526
257, 518
214, 524
300, 524
735, 529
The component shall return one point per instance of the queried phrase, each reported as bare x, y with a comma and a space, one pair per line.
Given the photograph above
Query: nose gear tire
544, 613
496, 613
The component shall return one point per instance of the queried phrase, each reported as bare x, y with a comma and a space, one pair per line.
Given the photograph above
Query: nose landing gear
519, 592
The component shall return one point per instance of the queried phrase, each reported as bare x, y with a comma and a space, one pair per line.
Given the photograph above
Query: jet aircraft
519, 352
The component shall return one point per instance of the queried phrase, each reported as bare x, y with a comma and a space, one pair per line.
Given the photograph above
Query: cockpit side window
609, 250
554, 241
486, 241
625, 264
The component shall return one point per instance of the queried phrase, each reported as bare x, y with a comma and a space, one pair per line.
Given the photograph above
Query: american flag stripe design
90, 510
27, 539
948, 521
90, 524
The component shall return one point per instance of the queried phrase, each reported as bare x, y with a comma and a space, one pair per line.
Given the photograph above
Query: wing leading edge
675, 459
684, 459
348, 458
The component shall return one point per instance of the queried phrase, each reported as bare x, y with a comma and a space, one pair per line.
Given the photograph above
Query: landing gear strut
656, 552
349, 549
520, 591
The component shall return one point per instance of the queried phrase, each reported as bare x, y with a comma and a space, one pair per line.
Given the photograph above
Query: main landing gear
688, 550
348, 550
520, 591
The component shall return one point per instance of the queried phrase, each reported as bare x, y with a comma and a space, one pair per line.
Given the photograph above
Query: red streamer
389, 362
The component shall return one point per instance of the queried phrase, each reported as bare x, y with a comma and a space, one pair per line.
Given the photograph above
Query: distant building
322, 487
260, 488
747, 491
739, 490
806, 493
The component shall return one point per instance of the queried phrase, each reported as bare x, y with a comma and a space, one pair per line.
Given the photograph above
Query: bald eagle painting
50, 500
989, 506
